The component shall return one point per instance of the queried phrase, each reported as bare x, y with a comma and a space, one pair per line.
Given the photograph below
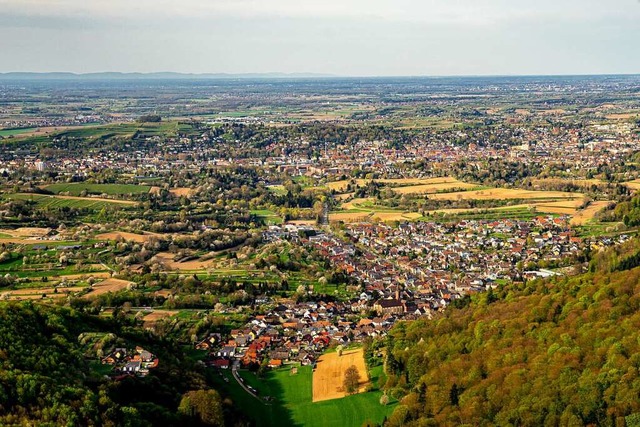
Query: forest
47, 380
562, 351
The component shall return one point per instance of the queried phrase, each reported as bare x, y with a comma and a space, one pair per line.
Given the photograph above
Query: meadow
78, 188
293, 406
46, 201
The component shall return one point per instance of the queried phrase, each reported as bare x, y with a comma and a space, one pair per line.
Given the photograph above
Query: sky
341, 37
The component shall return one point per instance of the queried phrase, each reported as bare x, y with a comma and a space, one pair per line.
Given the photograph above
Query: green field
57, 202
269, 217
292, 404
11, 132
76, 189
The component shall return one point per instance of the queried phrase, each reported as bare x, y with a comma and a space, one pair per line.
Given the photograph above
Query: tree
351, 380
205, 405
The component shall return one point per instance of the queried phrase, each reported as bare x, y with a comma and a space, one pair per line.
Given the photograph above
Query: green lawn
76, 189
269, 217
293, 407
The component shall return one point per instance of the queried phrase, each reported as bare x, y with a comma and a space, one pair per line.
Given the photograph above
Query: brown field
329, 374
506, 193
36, 293
115, 235
108, 285
182, 191
154, 190
150, 319
167, 259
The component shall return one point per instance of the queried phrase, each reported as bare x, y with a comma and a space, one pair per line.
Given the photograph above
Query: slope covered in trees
46, 379
564, 351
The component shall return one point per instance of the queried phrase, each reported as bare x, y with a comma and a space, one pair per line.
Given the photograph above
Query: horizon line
281, 74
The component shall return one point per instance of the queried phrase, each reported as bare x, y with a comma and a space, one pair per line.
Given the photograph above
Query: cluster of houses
135, 362
416, 268
292, 333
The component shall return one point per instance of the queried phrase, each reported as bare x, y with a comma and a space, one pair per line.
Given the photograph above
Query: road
234, 372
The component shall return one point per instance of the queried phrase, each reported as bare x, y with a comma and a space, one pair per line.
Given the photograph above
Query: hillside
558, 352
47, 377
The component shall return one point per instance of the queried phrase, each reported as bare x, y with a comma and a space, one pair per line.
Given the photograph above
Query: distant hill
154, 76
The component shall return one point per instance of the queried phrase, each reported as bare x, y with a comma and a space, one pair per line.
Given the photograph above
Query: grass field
68, 201
13, 132
269, 217
293, 404
76, 189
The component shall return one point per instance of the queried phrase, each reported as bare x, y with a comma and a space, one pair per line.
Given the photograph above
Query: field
68, 201
584, 216
13, 132
167, 259
506, 194
329, 373
633, 185
108, 285
182, 191
116, 235
407, 185
76, 189
37, 293
292, 401
150, 319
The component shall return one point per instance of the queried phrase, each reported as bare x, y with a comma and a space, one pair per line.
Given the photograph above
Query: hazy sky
346, 37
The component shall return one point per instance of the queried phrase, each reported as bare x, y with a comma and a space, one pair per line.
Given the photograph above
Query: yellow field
401, 182
585, 215
634, 185
350, 216
433, 188
505, 194
622, 116
329, 374
578, 182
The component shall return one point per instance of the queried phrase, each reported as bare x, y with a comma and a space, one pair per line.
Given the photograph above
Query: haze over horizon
343, 38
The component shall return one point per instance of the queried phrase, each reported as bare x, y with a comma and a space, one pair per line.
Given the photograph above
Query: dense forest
47, 378
563, 351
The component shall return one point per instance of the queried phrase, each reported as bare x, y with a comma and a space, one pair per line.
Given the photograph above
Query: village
416, 269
